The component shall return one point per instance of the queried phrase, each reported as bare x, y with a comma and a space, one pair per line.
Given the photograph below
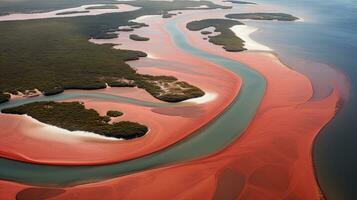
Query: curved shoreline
244, 32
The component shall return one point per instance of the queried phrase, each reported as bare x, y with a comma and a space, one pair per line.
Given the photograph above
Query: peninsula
225, 38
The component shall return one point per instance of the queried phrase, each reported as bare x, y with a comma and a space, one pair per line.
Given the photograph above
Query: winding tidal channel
206, 141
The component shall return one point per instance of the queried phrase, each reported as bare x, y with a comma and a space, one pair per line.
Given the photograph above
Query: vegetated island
263, 16
73, 116
102, 7
72, 12
136, 37
52, 55
206, 32
239, 2
114, 113
226, 38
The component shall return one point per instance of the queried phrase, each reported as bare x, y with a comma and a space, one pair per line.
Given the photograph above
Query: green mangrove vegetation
226, 37
206, 32
138, 37
53, 55
114, 113
4, 97
168, 88
263, 16
73, 116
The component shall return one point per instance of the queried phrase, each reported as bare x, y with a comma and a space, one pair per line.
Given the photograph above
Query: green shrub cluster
138, 38
263, 16
74, 116
114, 113
206, 32
226, 38
147, 82
4, 97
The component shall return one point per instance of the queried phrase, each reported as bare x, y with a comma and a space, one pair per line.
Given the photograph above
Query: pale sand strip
50, 129
243, 32
208, 97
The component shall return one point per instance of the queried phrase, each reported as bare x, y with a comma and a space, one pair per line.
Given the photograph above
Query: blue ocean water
328, 36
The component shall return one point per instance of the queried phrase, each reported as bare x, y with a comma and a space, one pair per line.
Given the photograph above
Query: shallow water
328, 36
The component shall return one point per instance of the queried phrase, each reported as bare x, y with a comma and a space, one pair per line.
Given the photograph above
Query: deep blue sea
328, 36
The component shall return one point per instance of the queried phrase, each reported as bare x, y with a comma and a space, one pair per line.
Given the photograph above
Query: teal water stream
215, 136
64, 96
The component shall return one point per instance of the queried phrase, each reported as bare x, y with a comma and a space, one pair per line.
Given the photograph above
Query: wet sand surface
272, 160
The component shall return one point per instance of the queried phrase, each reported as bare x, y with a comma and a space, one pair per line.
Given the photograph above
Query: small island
72, 12
206, 32
73, 116
168, 88
263, 16
138, 37
114, 113
226, 38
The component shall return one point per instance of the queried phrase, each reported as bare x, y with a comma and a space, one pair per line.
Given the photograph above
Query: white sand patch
124, 27
300, 20
208, 97
143, 18
26, 94
47, 130
54, 14
152, 56
201, 6
243, 32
